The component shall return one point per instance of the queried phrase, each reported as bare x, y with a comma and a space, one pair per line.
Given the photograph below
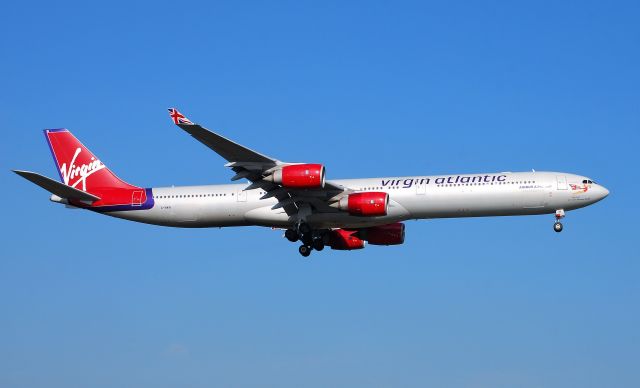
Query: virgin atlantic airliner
343, 214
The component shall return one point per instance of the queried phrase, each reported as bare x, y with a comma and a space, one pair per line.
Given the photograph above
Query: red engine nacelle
301, 176
367, 204
392, 234
344, 240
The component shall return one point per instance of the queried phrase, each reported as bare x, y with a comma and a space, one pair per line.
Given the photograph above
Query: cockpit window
588, 181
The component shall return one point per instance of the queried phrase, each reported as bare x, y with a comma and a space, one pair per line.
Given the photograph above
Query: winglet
178, 118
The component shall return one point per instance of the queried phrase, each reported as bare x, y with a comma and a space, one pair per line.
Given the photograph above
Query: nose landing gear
557, 226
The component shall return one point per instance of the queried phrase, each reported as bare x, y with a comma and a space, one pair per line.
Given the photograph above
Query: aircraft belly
194, 214
149, 216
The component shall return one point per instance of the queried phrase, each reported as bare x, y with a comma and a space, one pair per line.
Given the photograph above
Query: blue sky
369, 89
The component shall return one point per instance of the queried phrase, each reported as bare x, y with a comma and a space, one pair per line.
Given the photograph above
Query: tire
318, 244
304, 250
557, 227
291, 235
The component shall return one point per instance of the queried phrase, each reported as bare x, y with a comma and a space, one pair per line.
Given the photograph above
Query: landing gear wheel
304, 250
291, 235
557, 227
318, 244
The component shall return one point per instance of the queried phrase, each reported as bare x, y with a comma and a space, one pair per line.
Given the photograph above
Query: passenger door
241, 196
421, 189
562, 182
136, 198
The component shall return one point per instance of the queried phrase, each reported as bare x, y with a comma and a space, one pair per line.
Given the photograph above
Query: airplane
343, 214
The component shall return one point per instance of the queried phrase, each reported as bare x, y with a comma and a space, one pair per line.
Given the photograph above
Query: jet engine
368, 204
300, 176
344, 240
392, 234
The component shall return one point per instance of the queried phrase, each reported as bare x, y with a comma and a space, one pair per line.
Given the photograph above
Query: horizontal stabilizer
57, 188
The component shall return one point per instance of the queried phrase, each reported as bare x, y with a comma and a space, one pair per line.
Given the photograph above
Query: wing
254, 166
231, 151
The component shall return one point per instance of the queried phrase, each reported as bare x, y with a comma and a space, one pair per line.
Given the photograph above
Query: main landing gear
311, 239
557, 226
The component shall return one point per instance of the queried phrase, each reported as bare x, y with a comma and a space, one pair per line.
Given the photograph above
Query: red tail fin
81, 169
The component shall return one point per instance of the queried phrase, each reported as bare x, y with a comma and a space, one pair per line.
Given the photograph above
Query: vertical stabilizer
79, 168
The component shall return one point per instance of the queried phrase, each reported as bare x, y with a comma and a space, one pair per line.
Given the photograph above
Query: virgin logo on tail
81, 172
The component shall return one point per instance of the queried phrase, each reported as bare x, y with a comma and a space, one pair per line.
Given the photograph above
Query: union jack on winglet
178, 118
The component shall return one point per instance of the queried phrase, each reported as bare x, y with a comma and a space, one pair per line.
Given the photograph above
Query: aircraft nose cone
605, 192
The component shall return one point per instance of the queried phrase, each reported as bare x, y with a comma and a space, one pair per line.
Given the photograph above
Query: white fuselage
417, 197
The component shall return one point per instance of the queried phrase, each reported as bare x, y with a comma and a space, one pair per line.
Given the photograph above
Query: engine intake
368, 204
300, 176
